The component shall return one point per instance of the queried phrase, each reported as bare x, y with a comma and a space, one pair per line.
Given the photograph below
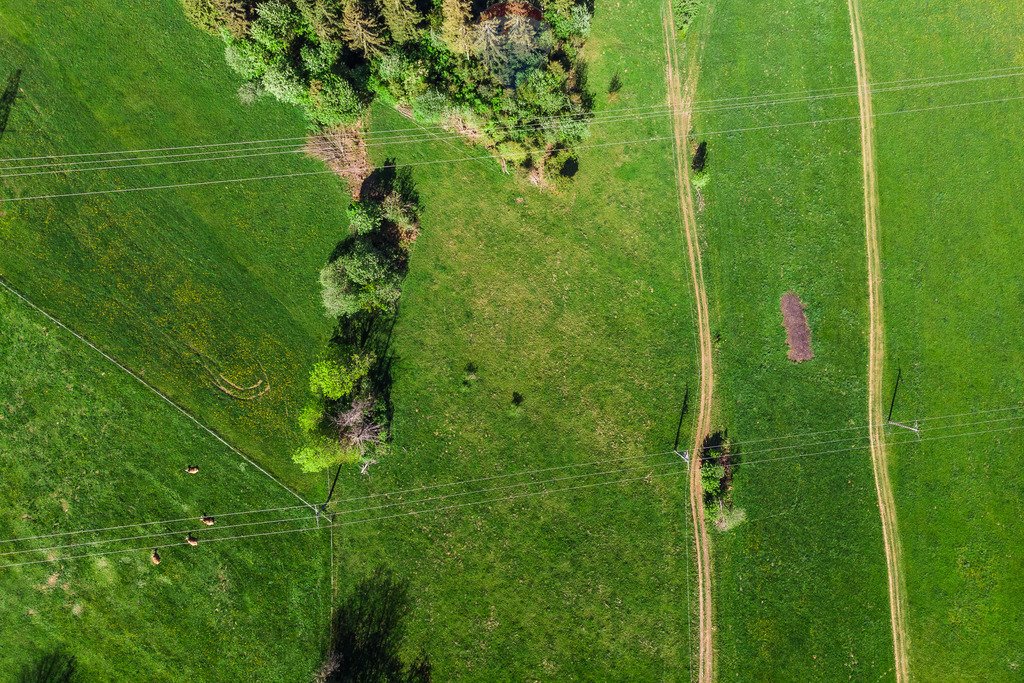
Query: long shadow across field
7, 99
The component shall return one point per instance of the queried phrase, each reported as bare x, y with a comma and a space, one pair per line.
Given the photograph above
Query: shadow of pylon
682, 413
7, 99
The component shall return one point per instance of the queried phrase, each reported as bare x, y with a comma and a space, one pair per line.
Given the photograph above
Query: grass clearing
951, 260
84, 446
800, 586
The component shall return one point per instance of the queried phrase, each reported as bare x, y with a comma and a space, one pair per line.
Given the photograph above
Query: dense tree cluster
510, 74
347, 417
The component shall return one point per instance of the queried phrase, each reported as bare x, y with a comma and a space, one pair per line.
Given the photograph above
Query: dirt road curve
681, 101
876, 354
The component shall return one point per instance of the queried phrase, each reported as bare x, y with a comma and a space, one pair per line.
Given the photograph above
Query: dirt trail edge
681, 100
876, 354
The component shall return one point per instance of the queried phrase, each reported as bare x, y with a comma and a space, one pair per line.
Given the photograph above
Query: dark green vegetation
349, 416
195, 288
488, 73
953, 288
800, 587
85, 446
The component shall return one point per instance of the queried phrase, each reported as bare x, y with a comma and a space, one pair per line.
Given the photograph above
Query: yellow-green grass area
84, 446
576, 297
186, 284
951, 217
800, 586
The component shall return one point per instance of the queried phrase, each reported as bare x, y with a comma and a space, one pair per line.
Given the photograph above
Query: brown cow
191, 540
192, 469
207, 520
155, 557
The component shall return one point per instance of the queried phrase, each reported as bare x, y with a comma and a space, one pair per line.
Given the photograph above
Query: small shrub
214, 16
332, 380
310, 417
53, 667
517, 399
361, 280
321, 453
364, 217
615, 84
711, 475
332, 101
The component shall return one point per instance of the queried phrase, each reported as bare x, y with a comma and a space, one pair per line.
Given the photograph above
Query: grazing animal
155, 557
191, 540
207, 520
192, 469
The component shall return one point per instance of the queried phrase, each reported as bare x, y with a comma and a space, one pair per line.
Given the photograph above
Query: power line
421, 501
495, 500
449, 161
608, 115
231, 154
673, 461
360, 521
733, 444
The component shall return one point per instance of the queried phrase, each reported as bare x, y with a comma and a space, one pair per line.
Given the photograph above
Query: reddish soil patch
798, 332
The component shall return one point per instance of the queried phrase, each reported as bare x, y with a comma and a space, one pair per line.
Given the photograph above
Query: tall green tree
402, 19
360, 29
455, 28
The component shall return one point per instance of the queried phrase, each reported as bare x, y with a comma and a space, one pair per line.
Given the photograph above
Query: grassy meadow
576, 298
953, 288
85, 446
800, 586
174, 283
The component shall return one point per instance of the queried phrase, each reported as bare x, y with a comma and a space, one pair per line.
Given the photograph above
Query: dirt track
681, 101
876, 355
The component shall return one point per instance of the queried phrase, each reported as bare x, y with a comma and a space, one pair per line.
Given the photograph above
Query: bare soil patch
344, 152
798, 332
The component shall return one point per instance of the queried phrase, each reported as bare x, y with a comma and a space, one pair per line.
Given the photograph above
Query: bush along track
509, 77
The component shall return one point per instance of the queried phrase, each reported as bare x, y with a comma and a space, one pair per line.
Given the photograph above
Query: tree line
509, 76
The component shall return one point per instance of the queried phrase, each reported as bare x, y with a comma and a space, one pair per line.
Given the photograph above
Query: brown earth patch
344, 152
798, 332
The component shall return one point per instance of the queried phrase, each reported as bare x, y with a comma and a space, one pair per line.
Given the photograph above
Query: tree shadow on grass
369, 634
7, 99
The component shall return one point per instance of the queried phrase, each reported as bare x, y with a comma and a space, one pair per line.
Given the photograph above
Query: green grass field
174, 281
577, 298
952, 253
800, 587
85, 446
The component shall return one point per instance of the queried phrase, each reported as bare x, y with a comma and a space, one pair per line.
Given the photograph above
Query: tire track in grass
876, 356
681, 100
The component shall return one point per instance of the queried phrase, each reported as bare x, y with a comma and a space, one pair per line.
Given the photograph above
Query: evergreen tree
360, 29
401, 18
455, 33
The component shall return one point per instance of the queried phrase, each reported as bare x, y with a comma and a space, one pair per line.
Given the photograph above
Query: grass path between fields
22, 297
681, 101
876, 356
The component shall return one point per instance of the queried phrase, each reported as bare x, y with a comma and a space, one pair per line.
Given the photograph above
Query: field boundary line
10, 288
681, 100
876, 358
